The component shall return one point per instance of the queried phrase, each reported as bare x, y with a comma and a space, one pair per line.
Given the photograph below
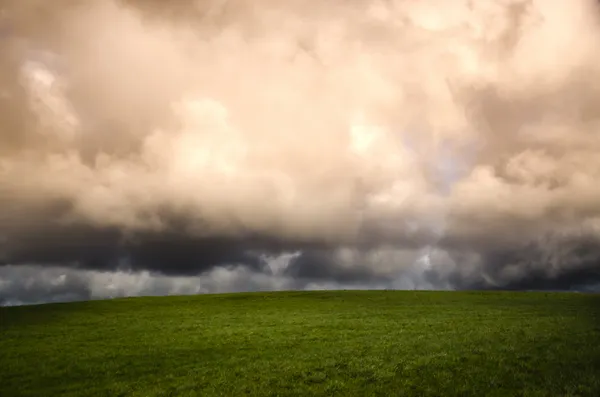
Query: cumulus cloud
453, 143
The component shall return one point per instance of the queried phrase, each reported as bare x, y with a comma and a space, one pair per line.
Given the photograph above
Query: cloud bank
446, 144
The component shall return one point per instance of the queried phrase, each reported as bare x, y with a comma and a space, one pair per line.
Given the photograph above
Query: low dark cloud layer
378, 144
26, 284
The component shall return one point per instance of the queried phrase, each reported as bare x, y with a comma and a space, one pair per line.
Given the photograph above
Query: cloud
457, 148
33, 284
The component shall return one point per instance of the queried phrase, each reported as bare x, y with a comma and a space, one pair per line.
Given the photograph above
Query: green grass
360, 343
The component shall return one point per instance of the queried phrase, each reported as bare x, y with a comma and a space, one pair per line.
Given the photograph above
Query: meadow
332, 343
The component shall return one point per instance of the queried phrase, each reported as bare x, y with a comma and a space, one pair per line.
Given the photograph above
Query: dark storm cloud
390, 143
566, 264
551, 262
324, 266
97, 249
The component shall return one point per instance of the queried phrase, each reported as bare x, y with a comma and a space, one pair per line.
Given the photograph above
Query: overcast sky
220, 146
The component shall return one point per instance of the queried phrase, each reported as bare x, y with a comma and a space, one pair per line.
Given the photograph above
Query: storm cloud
377, 144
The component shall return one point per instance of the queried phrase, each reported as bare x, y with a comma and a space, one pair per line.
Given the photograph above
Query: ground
346, 343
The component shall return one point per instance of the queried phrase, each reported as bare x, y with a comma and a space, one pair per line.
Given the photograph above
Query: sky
158, 148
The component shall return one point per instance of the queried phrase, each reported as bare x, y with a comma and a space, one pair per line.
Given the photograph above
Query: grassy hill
351, 343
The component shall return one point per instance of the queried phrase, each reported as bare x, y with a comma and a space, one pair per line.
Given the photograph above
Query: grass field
359, 343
